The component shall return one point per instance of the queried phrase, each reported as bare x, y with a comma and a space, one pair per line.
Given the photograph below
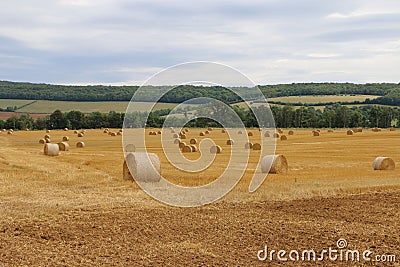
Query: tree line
336, 116
392, 98
333, 116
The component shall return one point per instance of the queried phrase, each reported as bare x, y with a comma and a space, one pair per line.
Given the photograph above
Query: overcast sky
125, 42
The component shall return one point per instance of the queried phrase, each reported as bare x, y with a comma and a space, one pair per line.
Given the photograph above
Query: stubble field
75, 209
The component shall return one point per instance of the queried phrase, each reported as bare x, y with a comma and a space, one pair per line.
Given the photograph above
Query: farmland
312, 100
46, 106
315, 99
5, 103
318, 102
321, 108
77, 210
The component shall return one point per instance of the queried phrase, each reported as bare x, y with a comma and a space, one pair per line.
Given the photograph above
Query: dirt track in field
223, 234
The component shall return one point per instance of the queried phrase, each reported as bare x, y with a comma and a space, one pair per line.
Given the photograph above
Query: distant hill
32, 91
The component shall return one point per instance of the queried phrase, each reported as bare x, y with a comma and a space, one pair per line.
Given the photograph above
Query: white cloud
323, 55
360, 14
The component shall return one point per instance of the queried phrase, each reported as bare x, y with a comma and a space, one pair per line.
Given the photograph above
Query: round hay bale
350, 132
187, 149
113, 134
47, 140
183, 136
80, 144
291, 132
175, 136
143, 167
280, 130
384, 163
392, 129
130, 148
177, 141
330, 131
274, 164
276, 135
193, 141
10, 133
248, 145
315, 133
223, 131
105, 131
47, 136
65, 129
159, 132
182, 145
75, 132
359, 130
65, 138
215, 150
256, 146
27, 130
267, 134
229, 142
202, 134
240, 132
63, 146
375, 129
51, 150
172, 130
109, 133
119, 133
207, 132
194, 148
209, 129
126, 174
283, 137
121, 130
249, 134
152, 133
42, 141
186, 130
80, 134
11, 130
47, 131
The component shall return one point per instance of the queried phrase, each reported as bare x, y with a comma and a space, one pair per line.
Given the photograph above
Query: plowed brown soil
224, 234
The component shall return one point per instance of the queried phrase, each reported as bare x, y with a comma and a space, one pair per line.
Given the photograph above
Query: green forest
389, 92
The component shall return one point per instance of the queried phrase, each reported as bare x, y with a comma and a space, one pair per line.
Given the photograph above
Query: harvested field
313, 99
5, 115
46, 106
76, 210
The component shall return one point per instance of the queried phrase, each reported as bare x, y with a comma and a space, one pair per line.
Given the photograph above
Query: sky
270, 41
